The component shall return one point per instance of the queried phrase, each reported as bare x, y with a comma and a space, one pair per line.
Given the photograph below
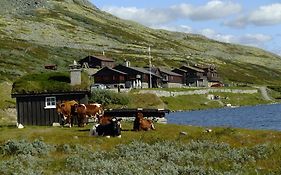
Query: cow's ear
119, 119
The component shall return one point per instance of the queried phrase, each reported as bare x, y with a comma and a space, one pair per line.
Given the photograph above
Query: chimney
127, 63
75, 73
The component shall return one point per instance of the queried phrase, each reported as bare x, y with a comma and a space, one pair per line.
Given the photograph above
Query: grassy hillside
34, 33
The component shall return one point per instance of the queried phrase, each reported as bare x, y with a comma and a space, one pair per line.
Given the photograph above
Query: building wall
172, 85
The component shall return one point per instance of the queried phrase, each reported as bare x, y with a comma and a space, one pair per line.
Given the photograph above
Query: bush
13, 147
106, 97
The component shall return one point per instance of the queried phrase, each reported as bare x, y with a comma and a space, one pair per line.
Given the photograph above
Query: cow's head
140, 115
99, 110
59, 108
116, 126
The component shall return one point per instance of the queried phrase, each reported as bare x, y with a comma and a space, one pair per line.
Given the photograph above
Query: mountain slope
38, 32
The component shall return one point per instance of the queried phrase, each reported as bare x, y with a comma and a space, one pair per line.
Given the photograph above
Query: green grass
199, 102
222, 150
145, 101
48, 82
163, 132
189, 102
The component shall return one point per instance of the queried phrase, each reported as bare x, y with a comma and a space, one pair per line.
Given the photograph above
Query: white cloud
264, 15
212, 10
217, 36
180, 28
254, 39
144, 16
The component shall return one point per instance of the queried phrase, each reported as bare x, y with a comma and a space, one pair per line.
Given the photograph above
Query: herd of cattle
106, 125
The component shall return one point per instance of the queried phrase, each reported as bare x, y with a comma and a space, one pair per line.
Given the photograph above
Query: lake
252, 117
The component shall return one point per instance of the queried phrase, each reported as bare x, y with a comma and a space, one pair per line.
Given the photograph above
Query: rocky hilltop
38, 32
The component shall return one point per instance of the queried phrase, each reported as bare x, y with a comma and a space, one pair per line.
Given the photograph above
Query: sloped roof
170, 72
179, 70
111, 69
103, 58
192, 68
143, 70
138, 69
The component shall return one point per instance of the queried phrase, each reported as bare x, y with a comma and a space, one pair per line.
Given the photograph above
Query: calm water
256, 117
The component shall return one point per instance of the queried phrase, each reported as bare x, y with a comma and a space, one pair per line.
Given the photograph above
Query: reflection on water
253, 117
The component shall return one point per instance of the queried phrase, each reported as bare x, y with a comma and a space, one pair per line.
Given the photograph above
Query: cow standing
66, 110
142, 124
85, 111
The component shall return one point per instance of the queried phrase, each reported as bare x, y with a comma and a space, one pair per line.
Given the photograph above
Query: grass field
55, 150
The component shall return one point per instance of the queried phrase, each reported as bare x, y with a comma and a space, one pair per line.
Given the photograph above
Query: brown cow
140, 123
85, 111
67, 110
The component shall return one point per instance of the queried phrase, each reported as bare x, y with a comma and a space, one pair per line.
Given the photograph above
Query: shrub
13, 147
107, 97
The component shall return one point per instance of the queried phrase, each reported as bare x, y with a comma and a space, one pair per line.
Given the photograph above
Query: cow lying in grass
108, 126
142, 124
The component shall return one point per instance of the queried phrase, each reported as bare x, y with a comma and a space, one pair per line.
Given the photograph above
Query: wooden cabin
97, 62
110, 77
171, 79
211, 73
139, 77
192, 76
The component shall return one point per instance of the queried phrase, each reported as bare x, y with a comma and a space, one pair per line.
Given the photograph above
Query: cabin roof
102, 58
170, 72
110, 69
178, 69
192, 68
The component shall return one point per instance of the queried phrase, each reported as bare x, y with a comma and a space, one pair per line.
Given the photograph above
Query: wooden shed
40, 108
37, 95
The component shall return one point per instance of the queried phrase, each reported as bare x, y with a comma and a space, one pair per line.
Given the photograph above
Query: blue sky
255, 23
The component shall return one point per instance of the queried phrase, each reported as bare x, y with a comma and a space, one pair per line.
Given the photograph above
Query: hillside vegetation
37, 32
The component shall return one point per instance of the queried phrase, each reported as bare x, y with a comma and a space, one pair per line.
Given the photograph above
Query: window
50, 102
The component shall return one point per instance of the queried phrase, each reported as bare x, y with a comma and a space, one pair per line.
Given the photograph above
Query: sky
254, 23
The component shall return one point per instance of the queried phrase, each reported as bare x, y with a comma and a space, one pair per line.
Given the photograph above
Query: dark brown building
210, 72
97, 61
139, 77
170, 79
192, 76
40, 108
110, 77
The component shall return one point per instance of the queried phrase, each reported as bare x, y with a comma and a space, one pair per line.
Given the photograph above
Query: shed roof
48, 82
